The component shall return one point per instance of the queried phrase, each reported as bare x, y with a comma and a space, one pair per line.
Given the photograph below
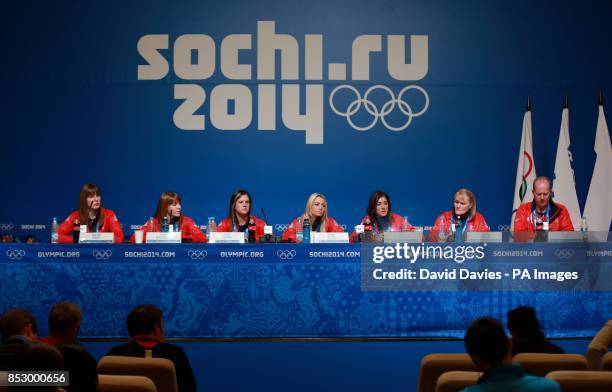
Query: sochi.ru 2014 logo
251, 93
197, 254
286, 254
102, 254
15, 254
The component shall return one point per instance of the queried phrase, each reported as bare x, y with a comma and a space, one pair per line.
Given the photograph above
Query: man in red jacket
542, 214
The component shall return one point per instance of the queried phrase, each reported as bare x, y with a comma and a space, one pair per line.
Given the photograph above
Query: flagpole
528, 103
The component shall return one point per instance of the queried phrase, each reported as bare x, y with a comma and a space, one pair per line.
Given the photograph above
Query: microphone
267, 238
264, 216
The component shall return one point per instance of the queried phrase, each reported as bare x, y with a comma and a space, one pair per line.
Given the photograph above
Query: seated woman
527, 334
169, 212
239, 218
92, 214
462, 218
316, 212
380, 216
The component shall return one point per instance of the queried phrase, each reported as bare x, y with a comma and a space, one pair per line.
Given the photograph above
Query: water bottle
54, 237
442, 233
584, 228
299, 233
367, 229
151, 224
251, 231
165, 225
211, 226
306, 231
405, 227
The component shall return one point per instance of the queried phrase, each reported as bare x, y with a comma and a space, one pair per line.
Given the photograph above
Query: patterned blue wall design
209, 296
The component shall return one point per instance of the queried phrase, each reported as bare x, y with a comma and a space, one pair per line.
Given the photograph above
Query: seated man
542, 214
527, 335
146, 328
39, 357
490, 349
18, 329
64, 326
64, 323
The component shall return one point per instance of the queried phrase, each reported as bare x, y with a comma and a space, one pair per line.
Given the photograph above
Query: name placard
403, 236
565, 236
217, 237
96, 238
329, 238
483, 236
163, 238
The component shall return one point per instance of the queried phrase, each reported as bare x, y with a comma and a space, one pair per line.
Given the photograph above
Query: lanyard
464, 226
535, 218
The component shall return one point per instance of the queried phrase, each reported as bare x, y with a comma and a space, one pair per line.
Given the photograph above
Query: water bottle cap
211, 218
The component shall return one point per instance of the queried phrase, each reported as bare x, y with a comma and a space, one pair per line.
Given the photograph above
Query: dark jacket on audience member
137, 347
534, 345
9, 349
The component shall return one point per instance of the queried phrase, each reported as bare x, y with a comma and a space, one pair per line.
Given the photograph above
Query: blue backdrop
75, 111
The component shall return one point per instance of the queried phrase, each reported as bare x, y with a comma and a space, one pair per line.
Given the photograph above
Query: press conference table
266, 291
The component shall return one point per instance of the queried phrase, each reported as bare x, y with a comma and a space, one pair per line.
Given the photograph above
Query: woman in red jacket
239, 217
461, 219
93, 215
316, 212
381, 218
169, 212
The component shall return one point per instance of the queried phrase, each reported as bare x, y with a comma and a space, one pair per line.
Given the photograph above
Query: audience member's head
523, 323
146, 320
487, 343
65, 321
18, 322
82, 368
38, 357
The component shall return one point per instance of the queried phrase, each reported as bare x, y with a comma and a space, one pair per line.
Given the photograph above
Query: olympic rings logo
102, 254
285, 254
6, 226
564, 253
503, 228
197, 254
381, 113
15, 254
281, 226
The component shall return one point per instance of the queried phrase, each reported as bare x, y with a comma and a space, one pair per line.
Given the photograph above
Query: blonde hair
309, 203
470, 195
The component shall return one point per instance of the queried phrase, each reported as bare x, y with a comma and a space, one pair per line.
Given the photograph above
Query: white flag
525, 170
598, 208
564, 184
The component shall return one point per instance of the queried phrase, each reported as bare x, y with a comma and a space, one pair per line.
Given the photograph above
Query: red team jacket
477, 223
398, 223
559, 218
331, 227
110, 224
227, 225
189, 230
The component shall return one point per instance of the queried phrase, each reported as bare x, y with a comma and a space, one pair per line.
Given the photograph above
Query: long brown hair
232, 212
166, 199
86, 191
372, 203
